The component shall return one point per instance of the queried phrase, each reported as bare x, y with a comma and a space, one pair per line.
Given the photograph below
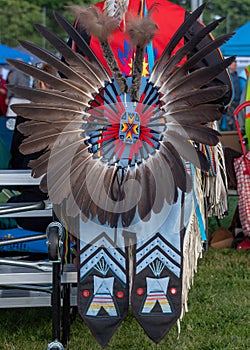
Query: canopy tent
33, 59
8, 52
239, 44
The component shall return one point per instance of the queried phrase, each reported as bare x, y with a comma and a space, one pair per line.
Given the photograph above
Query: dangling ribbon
149, 48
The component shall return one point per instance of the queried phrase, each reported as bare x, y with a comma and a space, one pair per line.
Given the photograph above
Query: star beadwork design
129, 129
145, 71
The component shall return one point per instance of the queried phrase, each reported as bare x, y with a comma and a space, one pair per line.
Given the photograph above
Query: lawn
218, 316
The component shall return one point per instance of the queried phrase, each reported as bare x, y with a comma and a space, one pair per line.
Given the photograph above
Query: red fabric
166, 15
242, 170
3, 106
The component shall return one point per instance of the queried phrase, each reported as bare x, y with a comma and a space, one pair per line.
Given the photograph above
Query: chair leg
66, 315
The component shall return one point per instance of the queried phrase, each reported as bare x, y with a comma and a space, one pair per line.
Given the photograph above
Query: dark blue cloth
236, 86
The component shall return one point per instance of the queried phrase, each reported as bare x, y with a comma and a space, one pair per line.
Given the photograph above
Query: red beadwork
120, 295
173, 291
140, 291
85, 293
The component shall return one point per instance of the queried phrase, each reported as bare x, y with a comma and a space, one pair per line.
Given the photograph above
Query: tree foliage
16, 21
235, 12
17, 17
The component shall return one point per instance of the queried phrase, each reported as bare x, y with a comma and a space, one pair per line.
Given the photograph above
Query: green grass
218, 317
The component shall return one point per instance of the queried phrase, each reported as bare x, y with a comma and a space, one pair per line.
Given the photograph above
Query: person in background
3, 93
20, 79
244, 114
18, 160
16, 78
236, 86
8, 77
30, 193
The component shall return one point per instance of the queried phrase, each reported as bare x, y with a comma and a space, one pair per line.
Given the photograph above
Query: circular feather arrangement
115, 148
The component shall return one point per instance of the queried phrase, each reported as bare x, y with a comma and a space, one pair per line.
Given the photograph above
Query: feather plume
46, 138
100, 25
84, 168
94, 205
95, 186
141, 31
36, 127
109, 197
61, 174
39, 166
95, 22
83, 47
85, 182
81, 43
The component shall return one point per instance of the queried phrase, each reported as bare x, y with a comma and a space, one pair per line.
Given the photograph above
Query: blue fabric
223, 123
4, 156
198, 213
7, 126
8, 52
149, 48
38, 246
239, 44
